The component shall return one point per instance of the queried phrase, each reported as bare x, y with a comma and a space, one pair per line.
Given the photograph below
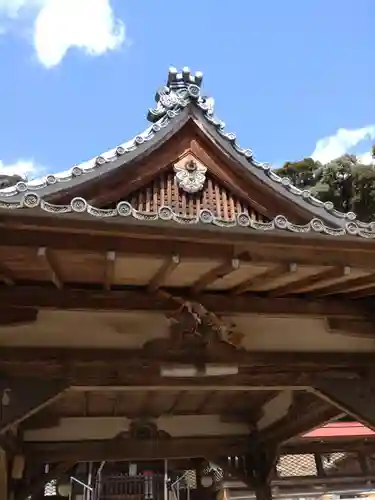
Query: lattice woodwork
164, 190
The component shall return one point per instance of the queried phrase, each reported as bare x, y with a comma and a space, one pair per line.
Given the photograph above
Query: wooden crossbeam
137, 300
214, 275
161, 276
16, 316
264, 278
307, 281
352, 327
137, 450
273, 361
46, 255
20, 398
262, 363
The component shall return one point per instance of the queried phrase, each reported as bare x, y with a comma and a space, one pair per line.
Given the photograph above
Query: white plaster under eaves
131, 330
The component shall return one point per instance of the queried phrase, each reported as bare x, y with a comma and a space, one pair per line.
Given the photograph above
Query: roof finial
178, 79
181, 88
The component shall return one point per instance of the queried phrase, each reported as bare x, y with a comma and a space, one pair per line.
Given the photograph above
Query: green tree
346, 182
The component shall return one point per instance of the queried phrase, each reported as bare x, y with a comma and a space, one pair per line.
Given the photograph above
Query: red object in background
339, 429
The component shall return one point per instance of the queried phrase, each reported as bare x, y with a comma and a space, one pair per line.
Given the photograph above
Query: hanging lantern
207, 481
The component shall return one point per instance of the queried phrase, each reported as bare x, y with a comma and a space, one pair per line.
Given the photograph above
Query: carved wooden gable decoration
188, 192
166, 173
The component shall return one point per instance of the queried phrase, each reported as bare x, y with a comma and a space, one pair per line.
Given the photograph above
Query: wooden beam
20, 398
137, 450
137, 300
261, 362
265, 278
214, 275
27, 228
304, 414
109, 271
354, 396
13, 316
47, 256
163, 273
305, 282
352, 327
363, 293
346, 286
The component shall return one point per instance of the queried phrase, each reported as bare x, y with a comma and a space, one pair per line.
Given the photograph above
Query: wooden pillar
256, 468
261, 462
263, 491
4, 480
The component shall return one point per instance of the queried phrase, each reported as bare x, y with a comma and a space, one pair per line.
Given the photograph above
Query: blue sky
289, 78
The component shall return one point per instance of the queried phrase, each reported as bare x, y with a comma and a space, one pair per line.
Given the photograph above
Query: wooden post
4, 483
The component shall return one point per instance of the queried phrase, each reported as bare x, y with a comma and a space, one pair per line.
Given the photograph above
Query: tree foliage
346, 182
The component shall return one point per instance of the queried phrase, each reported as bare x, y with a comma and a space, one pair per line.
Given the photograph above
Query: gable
212, 198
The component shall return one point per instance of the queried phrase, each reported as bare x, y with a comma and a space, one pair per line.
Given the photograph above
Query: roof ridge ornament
181, 89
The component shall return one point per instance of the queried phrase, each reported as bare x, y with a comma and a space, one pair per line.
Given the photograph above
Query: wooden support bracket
21, 398
356, 396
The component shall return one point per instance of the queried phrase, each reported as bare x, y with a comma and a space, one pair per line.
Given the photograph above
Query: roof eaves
141, 145
264, 173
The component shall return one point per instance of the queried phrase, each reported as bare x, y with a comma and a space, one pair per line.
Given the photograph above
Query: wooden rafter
136, 300
163, 273
365, 292
46, 255
346, 286
264, 278
215, 274
319, 278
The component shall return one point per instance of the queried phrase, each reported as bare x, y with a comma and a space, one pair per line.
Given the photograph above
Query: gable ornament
190, 176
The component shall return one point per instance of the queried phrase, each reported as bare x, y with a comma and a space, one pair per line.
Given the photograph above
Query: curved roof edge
165, 213
180, 92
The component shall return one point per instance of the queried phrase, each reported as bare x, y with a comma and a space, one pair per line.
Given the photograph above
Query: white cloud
59, 25
366, 158
26, 169
343, 142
